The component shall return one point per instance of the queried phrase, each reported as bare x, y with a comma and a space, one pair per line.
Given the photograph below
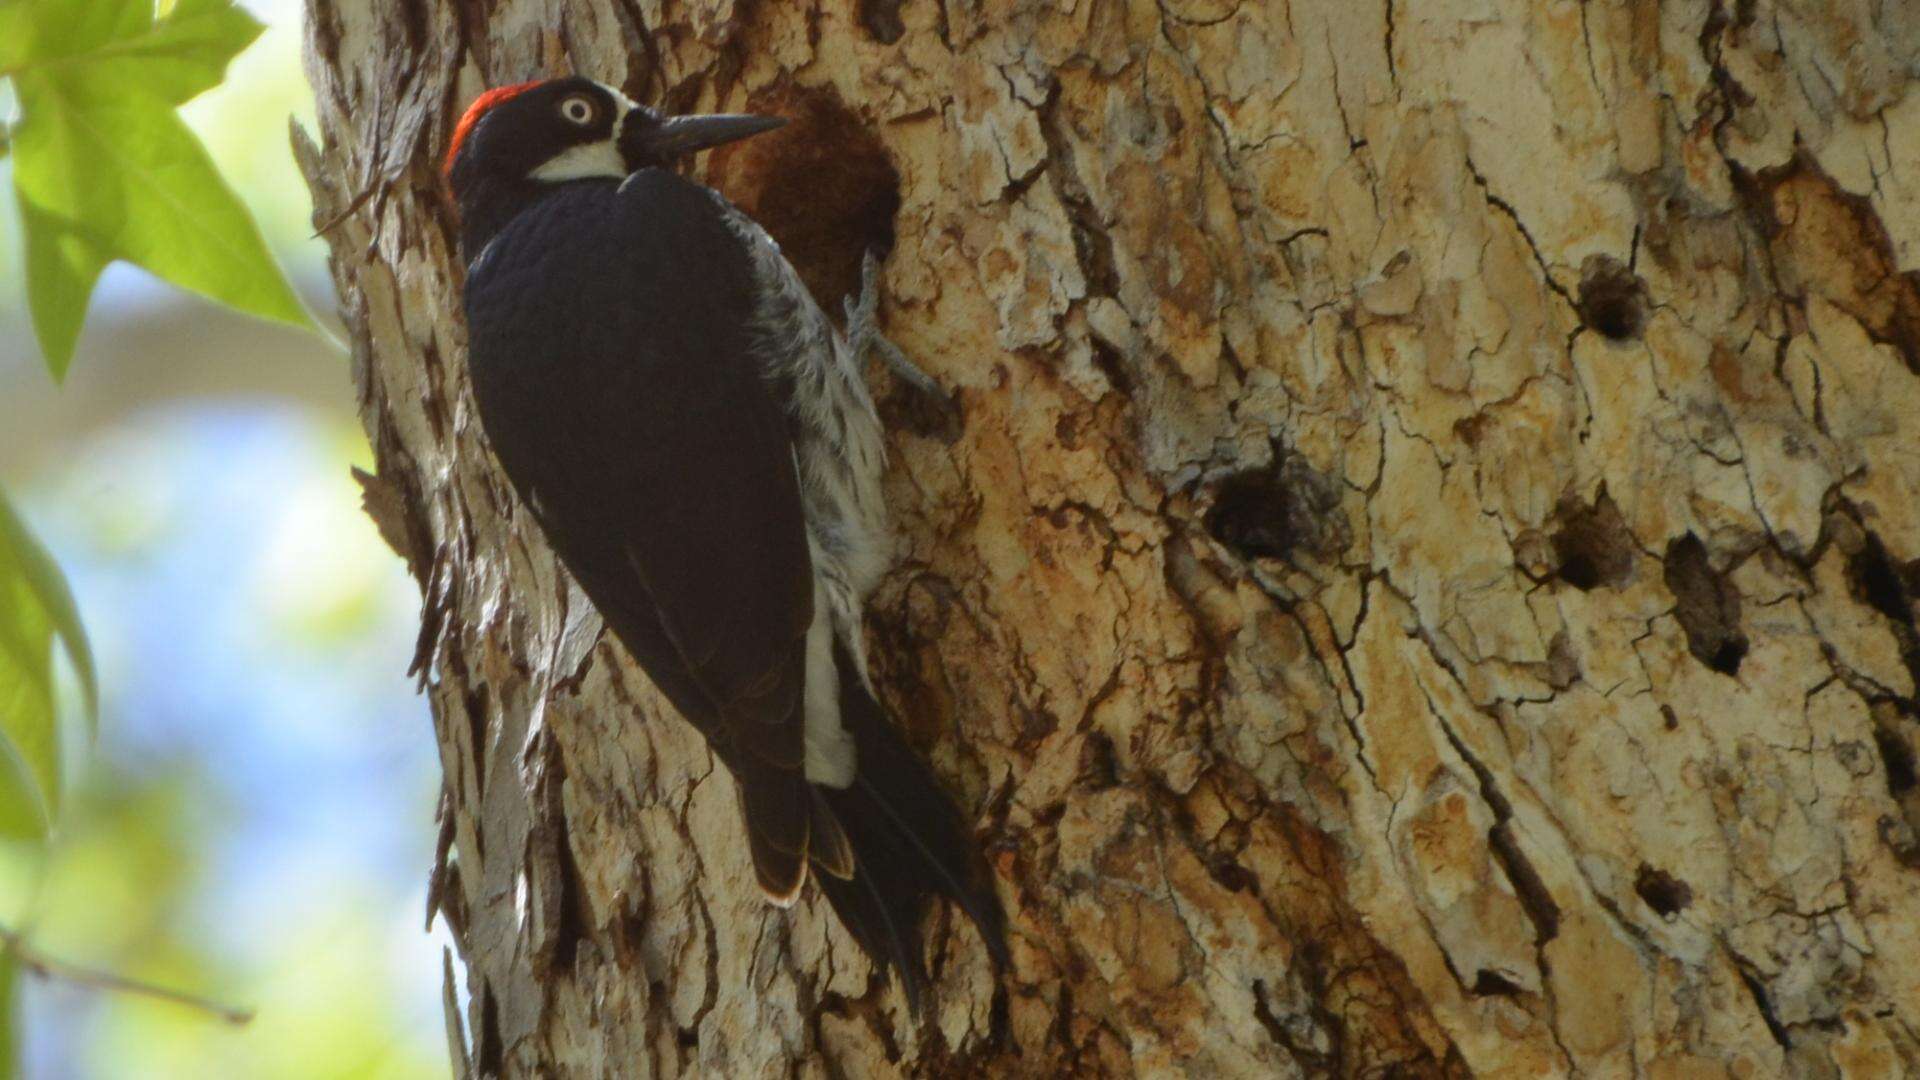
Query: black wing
608, 345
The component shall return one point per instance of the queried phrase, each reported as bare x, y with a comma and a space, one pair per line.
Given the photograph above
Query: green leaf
44, 31
16, 33
62, 266
20, 549
105, 170
36, 607
119, 41
9, 1017
29, 719
23, 813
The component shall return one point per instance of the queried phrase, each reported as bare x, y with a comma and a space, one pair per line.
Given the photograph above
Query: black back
609, 355
609, 350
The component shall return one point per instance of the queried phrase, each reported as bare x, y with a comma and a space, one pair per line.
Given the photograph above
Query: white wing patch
830, 753
839, 452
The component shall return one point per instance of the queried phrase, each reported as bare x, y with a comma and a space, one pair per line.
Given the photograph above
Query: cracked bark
1424, 578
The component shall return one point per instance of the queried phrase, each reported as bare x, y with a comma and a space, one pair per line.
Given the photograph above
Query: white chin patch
583, 162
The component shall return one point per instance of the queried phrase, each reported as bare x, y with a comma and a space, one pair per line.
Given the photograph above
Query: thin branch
50, 967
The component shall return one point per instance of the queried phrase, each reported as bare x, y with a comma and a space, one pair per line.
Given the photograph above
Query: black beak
644, 139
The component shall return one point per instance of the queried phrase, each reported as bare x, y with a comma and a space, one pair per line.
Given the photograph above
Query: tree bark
1422, 581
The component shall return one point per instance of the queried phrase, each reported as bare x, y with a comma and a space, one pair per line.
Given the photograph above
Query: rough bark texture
1423, 580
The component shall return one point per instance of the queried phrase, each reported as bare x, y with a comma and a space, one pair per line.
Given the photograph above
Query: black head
516, 140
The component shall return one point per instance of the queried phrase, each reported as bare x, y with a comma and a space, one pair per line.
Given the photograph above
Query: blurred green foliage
116, 893
35, 608
104, 169
188, 857
107, 166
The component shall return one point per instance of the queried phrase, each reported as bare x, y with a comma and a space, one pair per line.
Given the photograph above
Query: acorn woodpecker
698, 444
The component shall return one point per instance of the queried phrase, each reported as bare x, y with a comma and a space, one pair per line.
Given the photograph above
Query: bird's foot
932, 412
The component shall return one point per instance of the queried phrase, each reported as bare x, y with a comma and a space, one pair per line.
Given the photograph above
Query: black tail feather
980, 904
909, 846
881, 911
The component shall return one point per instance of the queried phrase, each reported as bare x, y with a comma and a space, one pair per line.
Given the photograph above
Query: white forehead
621, 101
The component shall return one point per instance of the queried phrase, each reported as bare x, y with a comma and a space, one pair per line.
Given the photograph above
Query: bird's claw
936, 415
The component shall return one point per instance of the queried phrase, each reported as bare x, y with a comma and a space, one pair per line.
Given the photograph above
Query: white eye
577, 110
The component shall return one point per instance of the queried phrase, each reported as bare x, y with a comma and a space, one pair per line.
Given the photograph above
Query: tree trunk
1423, 579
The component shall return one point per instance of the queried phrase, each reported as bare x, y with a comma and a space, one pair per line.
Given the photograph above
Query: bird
697, 443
